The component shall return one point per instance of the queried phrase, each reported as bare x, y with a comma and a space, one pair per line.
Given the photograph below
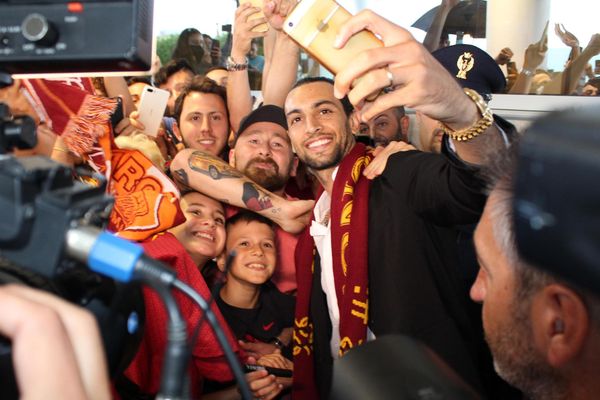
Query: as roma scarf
349, 226
70, 109
146, 201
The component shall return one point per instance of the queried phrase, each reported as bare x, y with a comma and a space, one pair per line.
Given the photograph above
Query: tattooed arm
213, 177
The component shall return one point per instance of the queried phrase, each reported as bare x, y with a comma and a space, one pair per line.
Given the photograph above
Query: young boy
256, 311
260, 316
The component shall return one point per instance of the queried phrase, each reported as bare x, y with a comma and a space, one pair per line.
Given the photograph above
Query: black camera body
39, 203
67, 37
15, 132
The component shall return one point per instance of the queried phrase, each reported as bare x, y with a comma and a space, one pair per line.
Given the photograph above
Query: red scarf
146, 201
71, 110
349, 235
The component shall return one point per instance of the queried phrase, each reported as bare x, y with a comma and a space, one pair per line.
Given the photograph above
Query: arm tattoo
252, 200
181, 178
209, 165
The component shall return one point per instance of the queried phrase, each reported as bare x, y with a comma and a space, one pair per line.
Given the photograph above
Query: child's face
254, 244
203, 233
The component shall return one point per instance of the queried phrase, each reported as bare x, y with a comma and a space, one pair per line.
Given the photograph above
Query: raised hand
418, 80
593, 46
276, 12
567, 37
504, 56
242, 30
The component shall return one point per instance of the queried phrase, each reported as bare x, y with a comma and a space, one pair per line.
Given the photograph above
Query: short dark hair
139, 79
200, 84
348, 107
170, 69
248, 216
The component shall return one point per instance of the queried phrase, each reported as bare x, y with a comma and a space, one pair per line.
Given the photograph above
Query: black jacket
414, 286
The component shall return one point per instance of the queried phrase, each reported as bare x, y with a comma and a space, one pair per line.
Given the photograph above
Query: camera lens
290, 24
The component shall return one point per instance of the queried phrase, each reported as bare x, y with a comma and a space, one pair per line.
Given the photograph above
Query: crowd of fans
336, 242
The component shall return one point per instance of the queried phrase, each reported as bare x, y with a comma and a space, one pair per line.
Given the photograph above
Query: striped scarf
349, 235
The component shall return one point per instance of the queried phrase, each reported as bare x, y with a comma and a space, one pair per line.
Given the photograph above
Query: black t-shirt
275, 311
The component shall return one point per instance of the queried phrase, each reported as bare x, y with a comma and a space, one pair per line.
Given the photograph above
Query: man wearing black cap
262, 155
262, 149
472, 68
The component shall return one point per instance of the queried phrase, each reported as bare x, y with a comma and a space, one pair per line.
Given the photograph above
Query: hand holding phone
152, 109
262, 28
282, 373
315, 24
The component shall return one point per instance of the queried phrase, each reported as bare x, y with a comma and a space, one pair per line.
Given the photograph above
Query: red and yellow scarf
349, 235
146, 201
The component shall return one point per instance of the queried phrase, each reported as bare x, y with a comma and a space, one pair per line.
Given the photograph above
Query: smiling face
203, 232
264, 154
203, 122
256, 254
318, 126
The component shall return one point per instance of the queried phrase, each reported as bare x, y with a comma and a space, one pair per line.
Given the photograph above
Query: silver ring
390, 76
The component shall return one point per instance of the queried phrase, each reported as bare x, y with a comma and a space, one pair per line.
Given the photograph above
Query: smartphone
314, 25
283, 373
152, 108
260, 4
545, 32
117, 115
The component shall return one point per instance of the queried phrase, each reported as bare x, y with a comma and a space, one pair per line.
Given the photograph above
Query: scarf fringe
81, 132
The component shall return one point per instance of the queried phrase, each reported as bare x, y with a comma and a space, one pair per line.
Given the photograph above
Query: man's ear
232, 157
295, 162
221, 258
561, 324
405, 125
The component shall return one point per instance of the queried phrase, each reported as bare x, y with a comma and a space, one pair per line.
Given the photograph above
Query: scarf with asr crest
349, 235
146, 200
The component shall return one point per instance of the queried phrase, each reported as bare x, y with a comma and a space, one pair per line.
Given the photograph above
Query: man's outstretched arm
213, 177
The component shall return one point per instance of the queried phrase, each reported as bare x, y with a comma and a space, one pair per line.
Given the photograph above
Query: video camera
17, 132
72, 37
39, 203
39, 200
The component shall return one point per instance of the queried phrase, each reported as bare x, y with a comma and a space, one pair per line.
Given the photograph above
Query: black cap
472, 67
268, 113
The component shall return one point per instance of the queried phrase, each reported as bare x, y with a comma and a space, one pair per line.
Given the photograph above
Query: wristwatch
232, 65
527, 72
486, 120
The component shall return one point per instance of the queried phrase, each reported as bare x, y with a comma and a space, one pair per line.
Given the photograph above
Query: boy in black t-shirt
259, 315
